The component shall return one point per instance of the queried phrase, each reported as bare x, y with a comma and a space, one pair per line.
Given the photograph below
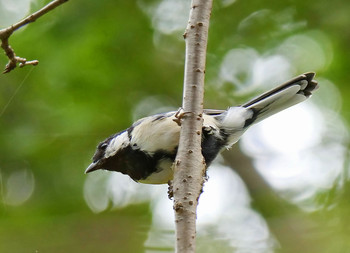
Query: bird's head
107, 155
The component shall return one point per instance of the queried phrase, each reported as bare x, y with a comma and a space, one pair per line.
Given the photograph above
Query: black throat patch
136, 163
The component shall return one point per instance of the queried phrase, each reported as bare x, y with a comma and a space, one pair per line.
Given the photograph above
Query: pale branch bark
7, 32
189, 166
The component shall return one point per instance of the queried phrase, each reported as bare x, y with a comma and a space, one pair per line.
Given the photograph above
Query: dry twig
7, 32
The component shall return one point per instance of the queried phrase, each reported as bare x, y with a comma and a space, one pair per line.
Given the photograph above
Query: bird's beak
92, 167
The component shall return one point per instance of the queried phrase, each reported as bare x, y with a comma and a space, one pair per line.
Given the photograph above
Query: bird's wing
213, 111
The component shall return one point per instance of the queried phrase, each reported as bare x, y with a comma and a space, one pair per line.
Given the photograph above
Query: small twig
7, 32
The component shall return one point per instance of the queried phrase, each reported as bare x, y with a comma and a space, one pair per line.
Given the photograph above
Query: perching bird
146, 150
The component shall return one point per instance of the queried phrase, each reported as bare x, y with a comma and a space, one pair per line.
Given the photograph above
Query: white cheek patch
117, 143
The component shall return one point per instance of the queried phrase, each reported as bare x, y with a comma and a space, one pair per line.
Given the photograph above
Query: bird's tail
286, 95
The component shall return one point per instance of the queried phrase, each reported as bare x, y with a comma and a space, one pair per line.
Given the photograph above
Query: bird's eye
103, 145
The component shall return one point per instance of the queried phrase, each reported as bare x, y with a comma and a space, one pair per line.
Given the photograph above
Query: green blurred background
105, 63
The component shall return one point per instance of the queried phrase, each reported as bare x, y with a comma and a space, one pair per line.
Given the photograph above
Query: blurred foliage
97, 60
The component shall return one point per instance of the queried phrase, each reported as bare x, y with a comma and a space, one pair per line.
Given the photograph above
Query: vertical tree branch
189, 167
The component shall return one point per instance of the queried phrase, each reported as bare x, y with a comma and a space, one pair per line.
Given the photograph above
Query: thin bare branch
189, 166
7, 32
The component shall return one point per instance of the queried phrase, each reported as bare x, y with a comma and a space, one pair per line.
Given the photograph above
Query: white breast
163, 176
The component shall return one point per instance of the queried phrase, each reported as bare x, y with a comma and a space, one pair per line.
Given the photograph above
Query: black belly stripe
212, 145
136, 163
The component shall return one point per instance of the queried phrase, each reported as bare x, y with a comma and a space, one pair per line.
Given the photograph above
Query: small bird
146, 150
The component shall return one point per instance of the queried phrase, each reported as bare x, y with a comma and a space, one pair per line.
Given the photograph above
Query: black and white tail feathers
235, 120
286, 95
273, 101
